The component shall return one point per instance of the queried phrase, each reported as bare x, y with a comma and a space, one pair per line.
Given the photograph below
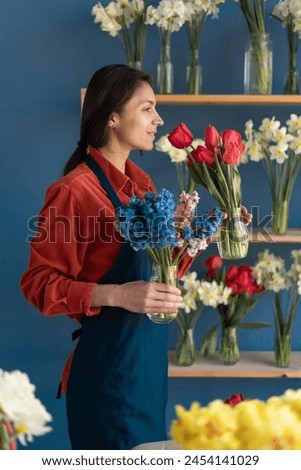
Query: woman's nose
158, 120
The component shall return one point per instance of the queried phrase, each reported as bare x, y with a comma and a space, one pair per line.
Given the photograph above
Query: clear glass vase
280, 217
283, 347
258, 67
233, 236
194, 74
292, 77
166, 275
229, 348
165, 67
292, 83
185, 350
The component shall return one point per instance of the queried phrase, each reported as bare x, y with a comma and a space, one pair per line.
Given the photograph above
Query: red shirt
76, 242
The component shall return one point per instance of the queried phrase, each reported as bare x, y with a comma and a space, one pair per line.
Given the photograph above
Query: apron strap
103, 181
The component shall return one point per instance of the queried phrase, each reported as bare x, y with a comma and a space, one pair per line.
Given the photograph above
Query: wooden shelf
252, 364
223, 99
229, 99
265, 235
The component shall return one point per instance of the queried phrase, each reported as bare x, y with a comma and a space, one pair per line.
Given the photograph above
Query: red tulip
181, 137
214, 262
233, 147
232, 136
212, 138
232, 154
202, 154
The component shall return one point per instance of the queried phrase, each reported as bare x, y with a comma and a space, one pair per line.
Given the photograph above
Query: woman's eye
148, 109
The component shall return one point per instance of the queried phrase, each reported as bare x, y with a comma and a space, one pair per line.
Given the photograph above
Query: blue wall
49, 50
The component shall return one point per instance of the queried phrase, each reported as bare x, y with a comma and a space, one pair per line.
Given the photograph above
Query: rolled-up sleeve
51, 282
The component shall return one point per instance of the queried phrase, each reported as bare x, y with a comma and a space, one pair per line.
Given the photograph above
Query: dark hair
110, 88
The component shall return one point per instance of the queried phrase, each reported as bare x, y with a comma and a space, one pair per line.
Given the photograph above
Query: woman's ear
113, 121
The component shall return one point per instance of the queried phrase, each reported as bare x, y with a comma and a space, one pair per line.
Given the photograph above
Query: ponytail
78, 156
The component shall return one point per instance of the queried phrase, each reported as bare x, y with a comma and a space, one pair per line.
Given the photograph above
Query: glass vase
229, 348
283, 346
166, 275
185, 350
194, 74
280, 217
292, 82
233, 236
165, 68
258, 65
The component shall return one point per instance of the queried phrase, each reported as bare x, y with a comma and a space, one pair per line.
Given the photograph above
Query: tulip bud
180, 137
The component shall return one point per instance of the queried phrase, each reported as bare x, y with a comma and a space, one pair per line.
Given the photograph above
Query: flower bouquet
279, 149
168, 16
167, 232
289, 13
274, 424
187, 319
116, 19
22, 415
233, 293
258, 55
195, 14
271, 272
214, 166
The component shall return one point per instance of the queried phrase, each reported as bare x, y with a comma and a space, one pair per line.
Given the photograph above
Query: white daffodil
282, 137
278, 153
254, 150
294, 123
163, 144
295, 145
249, 129
177, 155
212, 294
269, 126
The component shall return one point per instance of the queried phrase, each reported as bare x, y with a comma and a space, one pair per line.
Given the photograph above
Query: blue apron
117, 388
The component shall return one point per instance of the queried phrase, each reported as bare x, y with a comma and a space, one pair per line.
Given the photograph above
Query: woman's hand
246, 215
139, 297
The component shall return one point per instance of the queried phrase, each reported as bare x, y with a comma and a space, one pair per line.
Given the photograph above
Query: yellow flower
212, 427
268, 426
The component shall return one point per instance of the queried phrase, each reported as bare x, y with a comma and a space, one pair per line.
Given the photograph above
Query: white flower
196, 142
190, 293
254, 150
177, 155
195, 245
294, 123
249, 128
278, 153
299, 284
163, 144
296, 143
168, 16
213, 294
269, 126
18, 405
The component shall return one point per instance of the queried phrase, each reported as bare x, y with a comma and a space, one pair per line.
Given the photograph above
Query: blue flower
149, 222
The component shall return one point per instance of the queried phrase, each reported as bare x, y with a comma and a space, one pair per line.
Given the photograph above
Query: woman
116, 380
